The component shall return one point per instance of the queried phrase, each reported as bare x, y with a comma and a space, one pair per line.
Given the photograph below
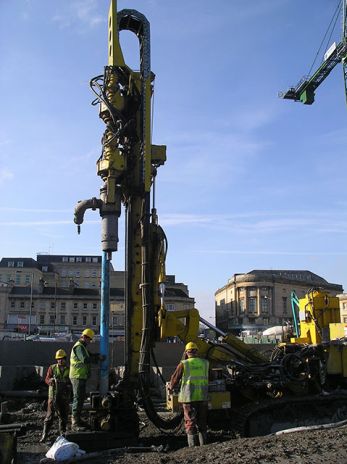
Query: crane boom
304, 91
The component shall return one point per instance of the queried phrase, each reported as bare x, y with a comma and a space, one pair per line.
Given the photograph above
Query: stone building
343, 307
262, 298
62, 293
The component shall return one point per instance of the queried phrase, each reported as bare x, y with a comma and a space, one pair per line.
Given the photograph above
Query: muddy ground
319, 446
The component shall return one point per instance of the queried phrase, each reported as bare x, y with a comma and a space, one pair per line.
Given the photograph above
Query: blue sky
251, 181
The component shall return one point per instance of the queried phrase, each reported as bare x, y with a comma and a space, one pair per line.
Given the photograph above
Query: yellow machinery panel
337, 330
319, 317
337, 360
216, 400
219, 400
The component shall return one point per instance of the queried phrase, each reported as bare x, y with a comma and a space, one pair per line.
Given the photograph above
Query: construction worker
59, 392
192, 374
80, 361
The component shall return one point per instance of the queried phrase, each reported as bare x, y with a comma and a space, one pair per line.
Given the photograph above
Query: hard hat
88, 333
60, 354
191, 346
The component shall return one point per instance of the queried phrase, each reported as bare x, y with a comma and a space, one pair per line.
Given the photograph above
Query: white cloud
82, 11
210, 155
272, 252
47, 222
268, 224
5, 174
35, 210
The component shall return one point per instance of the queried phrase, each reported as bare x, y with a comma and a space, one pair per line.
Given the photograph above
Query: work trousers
61, 407
195, 417
79, 395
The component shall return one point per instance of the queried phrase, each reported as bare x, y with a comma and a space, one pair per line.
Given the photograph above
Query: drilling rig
128, 167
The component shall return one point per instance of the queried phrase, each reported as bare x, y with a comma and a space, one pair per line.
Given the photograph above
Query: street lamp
31, 303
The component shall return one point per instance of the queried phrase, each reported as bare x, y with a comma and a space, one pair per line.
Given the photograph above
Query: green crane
304, 91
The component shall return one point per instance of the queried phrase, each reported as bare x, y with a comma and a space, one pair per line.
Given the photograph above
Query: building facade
261, 299
58, 293
343, 307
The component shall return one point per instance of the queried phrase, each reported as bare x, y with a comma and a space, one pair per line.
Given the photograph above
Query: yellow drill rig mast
127, 167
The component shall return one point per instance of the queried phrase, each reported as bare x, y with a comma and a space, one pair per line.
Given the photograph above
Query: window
63, 272
74, 320
344, 305
42, 319
65, 259
85, 306
20, 263
44, 268
265, 320
77, 273
52, 319
118, 321
71, 259
84, 320
86, 273
284, 304
94, 320
252, 305
252, 291
63, 305
170, 307
88, 259
264, 302
62, 319
52, 304
27, 279
10, 264
75, 306
94, 273
345, 319
22, 305
17, 279
42, 305
95, 306
95, 259
13, 304
242, 305
78, 259
71, 273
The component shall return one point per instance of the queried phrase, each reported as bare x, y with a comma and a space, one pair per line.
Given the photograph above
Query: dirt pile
319, 446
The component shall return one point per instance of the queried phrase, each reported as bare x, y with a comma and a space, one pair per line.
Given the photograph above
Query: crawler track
271, 416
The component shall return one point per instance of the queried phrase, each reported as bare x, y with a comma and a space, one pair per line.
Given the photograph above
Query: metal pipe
104, 322
211, 326
82, 206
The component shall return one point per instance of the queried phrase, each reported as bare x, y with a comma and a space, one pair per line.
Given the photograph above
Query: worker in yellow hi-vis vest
192, 373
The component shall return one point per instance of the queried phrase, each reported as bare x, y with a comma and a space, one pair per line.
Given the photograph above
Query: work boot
192, 440
202, 438
76, 424
45, 431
